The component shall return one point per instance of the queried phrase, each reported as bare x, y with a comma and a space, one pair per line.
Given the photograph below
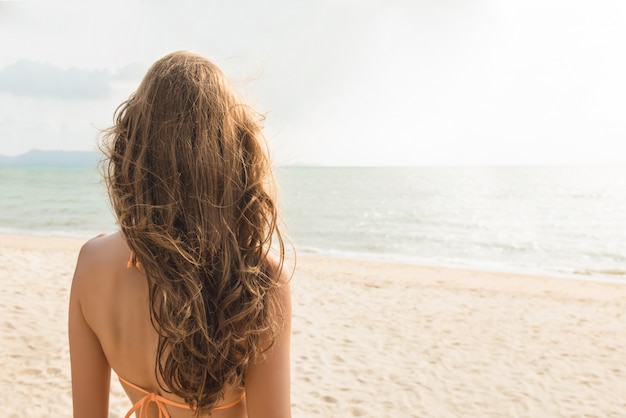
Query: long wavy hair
190, 182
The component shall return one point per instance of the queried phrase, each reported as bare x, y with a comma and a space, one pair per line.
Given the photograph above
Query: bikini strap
160, 400
233, 403
133, 262
142, 404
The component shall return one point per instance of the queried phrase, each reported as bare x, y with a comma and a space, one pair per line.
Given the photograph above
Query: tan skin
110, 328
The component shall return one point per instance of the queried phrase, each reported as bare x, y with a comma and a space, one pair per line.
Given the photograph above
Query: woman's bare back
114, 302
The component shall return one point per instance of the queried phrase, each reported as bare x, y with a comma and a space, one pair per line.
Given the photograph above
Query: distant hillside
54, 158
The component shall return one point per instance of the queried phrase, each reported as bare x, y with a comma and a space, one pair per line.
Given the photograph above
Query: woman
185, 303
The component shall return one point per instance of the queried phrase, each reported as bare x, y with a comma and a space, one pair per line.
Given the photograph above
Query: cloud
37, 79
131, 72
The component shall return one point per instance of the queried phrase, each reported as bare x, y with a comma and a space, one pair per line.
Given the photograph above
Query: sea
567, 221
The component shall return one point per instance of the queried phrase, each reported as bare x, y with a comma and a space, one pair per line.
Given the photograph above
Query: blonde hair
189, 180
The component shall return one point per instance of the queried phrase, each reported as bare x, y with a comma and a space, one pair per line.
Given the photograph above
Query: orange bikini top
142, 404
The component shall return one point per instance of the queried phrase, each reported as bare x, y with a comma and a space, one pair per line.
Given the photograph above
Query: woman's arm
91, 373
268, 383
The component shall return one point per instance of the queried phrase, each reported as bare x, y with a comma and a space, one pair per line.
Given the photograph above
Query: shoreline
423, 341
428, 274
493, 268
598, 276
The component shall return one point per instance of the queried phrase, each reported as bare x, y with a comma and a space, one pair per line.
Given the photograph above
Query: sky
341, 82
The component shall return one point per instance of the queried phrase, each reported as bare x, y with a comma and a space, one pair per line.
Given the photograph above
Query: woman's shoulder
104, 248
99, 259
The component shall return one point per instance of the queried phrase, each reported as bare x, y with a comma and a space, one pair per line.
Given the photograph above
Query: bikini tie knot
144, 403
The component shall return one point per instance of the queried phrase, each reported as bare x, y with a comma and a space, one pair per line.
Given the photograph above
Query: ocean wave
542, 220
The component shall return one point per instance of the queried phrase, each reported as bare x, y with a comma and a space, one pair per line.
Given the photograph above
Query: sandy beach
370, 339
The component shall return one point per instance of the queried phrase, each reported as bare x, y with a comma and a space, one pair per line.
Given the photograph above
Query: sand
370, 339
